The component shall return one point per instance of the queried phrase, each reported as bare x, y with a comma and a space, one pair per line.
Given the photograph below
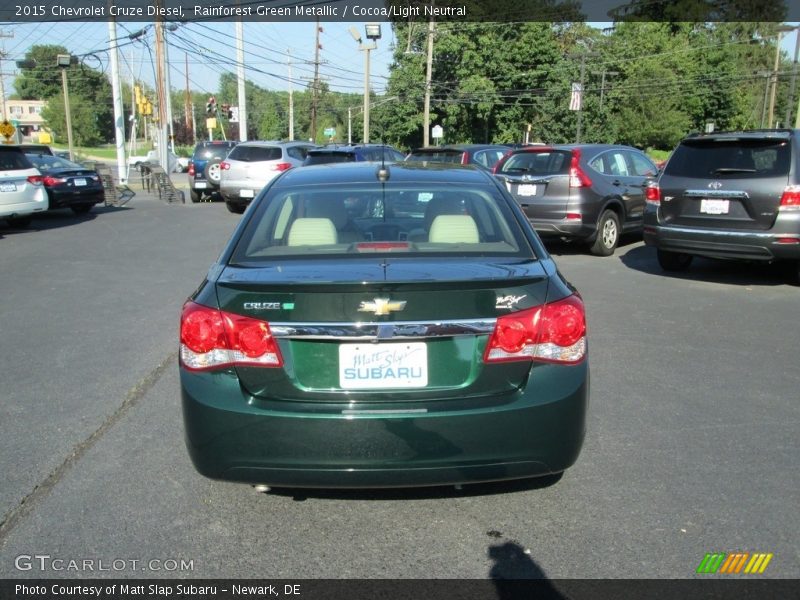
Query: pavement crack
24, 507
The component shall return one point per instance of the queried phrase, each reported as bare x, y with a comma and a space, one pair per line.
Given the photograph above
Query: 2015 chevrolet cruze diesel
376, 325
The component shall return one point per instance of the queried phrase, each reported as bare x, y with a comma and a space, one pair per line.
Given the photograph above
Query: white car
21, 189
178, 164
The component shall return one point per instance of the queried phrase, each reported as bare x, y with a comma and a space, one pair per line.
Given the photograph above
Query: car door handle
616, 182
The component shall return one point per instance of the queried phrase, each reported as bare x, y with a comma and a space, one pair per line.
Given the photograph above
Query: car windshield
395, 218
553, 162
735, 158
50, 163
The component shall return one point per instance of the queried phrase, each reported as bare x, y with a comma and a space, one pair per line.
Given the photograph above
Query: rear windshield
50, 163
735, 158
255, 153
13, 159
400, 219
443, 156
214, 152
321, 158
550, 162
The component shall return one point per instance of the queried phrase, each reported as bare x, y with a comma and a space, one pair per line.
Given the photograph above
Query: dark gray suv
588, 192
729, 195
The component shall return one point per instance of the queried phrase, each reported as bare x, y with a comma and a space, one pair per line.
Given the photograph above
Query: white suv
21, 189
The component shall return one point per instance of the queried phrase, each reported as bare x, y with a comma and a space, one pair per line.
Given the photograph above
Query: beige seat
312, 232
335, 210
454, 229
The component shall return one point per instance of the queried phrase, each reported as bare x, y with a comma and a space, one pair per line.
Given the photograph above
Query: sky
211, 50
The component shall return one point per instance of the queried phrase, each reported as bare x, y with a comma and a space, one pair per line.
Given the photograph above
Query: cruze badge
382, 306
508, 301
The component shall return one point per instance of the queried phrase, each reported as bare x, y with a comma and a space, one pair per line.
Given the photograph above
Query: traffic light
211, 106
226, 110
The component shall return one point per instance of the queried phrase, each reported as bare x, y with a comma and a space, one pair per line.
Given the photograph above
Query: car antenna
383, 172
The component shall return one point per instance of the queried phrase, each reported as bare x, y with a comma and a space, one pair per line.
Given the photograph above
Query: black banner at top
400, 10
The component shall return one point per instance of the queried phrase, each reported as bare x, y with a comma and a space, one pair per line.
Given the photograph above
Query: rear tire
195, 196
607, 234
235, 208
673, 261
20, 222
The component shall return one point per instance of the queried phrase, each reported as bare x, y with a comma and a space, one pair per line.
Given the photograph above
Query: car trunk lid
539, 180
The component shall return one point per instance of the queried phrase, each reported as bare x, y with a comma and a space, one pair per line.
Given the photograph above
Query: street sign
234, 114
330, 132
7, 130
437, 131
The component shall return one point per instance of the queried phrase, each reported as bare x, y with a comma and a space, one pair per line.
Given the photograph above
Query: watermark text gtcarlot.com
48, 563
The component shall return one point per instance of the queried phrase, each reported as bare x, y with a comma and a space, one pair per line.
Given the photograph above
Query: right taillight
213, 339
652, 193
225, 166
790, 200
554, 332
191, 169
577, 176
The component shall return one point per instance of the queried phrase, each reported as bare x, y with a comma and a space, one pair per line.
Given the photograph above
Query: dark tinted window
488, 158
735, 158
298, 152
212, 151
319, 158
551, 162
255, 153
13, 159
445, 156
48, 163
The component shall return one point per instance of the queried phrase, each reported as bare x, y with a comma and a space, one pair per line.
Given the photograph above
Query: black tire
673, 261
195, 196
235, 208
81, 209
796, 274
20, 222
213, 173
608, 232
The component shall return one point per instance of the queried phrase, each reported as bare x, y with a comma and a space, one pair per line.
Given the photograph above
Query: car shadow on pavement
421, 493
516, 575
558, 247
708, 270
61, 218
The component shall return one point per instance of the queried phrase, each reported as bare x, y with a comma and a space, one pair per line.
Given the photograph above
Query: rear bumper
569, 228
21, 209
763, 246
67, 199
233, 436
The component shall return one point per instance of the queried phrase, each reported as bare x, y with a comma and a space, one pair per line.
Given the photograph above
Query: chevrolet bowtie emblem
382, 306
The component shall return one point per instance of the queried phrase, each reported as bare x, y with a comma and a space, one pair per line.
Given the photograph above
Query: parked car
204, 170
353, 153
325, 348
37, 149
587, 192
251, 165
178, 164
728, 195
481, 155
68, 184
21, 191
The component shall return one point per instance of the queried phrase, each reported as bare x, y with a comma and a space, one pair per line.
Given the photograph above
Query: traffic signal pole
116, 92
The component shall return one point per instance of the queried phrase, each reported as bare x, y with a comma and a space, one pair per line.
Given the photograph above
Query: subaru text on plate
375, 325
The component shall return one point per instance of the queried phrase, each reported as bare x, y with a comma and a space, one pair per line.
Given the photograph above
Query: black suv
730, 195
204, 169
592, 193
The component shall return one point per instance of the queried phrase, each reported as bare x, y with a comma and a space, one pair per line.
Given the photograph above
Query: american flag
576, 97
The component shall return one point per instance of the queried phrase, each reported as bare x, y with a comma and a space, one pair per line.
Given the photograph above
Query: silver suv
21, 189
252, 165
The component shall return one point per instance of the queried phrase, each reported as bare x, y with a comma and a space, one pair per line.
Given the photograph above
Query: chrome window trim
397, 330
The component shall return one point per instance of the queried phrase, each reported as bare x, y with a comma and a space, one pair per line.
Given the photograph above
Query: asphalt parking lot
691, 448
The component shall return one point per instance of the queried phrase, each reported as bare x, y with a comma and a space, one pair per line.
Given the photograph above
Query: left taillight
191, 169
282, 167
554, 333
213, 339
652, 193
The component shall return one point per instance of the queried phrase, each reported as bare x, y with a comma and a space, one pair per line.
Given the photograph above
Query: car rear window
545, 162
401, 218
319, 158
444, 156
255, 153
212, 152
13, 159
734, 158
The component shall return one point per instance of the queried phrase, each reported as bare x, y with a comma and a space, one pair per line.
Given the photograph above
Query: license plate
8, 187
380, 366
246, 193
526, 189
711, 206
79, 181
200, 185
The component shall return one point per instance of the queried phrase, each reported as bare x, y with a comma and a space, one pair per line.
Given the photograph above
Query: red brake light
464, 158
224, 165
282, 166
790, 200
554, 332
35, 179
211, 339
652, 193
577, 177
191, 169
49, 181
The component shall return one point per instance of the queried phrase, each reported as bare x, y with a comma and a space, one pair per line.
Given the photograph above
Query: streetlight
373, 32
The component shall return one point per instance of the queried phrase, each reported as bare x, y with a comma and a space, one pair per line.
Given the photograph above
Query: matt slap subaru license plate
380, 366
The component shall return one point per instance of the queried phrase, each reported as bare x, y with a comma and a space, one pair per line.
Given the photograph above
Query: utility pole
116, 93
240, 81
766, 75
584, 56
774, 91
603, 74
3, 115
793, 81
426, 111
161, 92
168, 95
291, 98
187, 102
315, 91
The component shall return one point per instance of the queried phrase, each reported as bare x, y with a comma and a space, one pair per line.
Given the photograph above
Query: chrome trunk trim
382, 331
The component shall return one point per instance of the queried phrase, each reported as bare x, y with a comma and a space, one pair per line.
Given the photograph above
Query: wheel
20, 222
235, 208
81, 209
607, 234
195, 196
673, 261
796, 273
213, 173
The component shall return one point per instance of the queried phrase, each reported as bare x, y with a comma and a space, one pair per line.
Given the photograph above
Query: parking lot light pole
63, 61
373, 32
